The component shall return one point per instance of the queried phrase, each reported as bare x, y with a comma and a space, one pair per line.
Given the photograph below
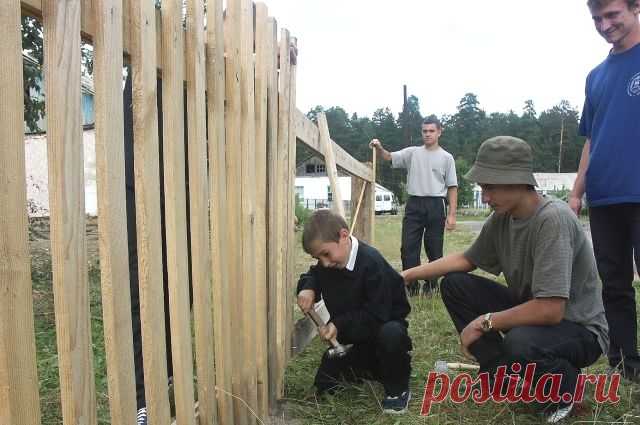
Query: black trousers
615, 230
560, 349
423, 222
386, 359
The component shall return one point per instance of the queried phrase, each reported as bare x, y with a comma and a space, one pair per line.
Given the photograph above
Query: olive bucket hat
503, 160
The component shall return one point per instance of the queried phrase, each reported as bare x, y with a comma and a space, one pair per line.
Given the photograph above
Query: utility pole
560, 153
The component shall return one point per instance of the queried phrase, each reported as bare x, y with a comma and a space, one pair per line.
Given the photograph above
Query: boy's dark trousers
615, 230
424, 221
385, 359
563, 349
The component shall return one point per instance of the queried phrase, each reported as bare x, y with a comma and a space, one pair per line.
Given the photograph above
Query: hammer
337, 350
443, 367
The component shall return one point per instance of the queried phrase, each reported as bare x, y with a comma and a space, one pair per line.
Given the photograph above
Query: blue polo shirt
611, 119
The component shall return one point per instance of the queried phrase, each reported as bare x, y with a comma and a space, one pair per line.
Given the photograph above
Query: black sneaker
398, 405
142, 416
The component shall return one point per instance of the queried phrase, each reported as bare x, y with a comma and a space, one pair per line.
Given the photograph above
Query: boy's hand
306, 299
328, 331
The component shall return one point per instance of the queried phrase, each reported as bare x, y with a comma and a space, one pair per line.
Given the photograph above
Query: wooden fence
242, 127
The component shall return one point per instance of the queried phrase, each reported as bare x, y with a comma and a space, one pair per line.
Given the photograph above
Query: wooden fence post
147, 192
220, 263
112, 223
19, 404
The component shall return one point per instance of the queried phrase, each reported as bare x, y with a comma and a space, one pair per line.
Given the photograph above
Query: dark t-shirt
545, 255
359, 301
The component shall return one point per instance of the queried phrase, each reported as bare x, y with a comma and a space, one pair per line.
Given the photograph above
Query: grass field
434, 338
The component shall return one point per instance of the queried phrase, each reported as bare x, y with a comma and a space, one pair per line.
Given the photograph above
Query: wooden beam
330, 164
354, 218
273, 221
309, 134
220, 262
262, 296
175, 201
283, 225
147, 193
66, 198
19, 404
199, 210
114, 258
248, 211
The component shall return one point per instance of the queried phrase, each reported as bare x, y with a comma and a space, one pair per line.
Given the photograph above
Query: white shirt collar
352, 256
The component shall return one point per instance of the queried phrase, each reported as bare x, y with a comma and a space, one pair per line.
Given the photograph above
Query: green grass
434, 338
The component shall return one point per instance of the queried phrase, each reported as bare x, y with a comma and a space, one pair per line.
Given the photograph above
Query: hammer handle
317, 320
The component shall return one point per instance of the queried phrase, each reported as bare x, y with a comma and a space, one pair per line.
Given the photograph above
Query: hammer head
338, 351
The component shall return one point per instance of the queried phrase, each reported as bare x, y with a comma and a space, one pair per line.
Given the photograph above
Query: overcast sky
357, 54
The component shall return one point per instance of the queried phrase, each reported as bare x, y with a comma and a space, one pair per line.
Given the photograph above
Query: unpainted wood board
112, 224
233, 127
273, 213
220, 263
248, 191
19, 400
175, 201
283, 218
262, 297
147, 192
61, 22
199, 210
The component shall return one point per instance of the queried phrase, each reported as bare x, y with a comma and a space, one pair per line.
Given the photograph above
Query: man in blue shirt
609, 172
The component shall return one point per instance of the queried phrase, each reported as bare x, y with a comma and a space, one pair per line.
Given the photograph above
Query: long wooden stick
355, 215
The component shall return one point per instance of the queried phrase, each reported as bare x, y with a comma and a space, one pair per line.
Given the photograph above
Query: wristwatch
487, 325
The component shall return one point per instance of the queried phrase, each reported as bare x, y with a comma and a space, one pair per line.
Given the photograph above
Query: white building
547, 182
313, 187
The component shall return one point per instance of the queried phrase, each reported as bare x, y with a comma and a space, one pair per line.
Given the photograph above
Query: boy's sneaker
142, 416
562, 412
397, 405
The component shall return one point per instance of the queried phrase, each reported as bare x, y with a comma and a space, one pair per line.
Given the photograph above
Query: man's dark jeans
564, 348
424, 221
615, 230
386, 360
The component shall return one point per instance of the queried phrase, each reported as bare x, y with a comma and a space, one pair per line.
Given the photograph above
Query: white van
385, 201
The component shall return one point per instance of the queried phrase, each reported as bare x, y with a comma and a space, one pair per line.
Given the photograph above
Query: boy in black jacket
368, 305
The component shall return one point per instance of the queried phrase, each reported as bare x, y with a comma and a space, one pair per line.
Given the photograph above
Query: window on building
329, 194
320, 168
310, 168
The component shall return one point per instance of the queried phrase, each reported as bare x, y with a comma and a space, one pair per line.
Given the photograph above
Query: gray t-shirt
430, 172
545, 255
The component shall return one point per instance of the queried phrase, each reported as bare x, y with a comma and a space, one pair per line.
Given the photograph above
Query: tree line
463, 132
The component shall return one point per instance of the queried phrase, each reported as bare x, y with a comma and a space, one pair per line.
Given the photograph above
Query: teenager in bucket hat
550, 312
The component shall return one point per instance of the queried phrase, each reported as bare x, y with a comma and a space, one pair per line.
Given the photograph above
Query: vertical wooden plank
148, 230
114, 261
66, 193
19, 404
248, 189
199, 210
330, 164
233, 126
363, 228
262, 58
273, 192
223, 307
283, 224
372, 206
175, 208
292, 52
